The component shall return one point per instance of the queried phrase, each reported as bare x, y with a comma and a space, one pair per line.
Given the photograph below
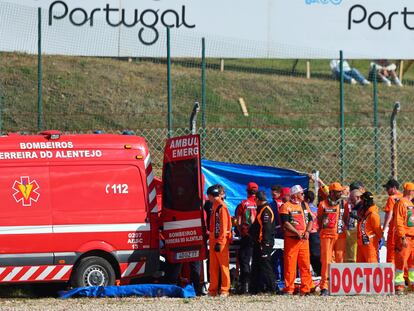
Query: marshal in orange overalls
220, 234
332, 223
369, 235
404, 237
296, 251
389, 208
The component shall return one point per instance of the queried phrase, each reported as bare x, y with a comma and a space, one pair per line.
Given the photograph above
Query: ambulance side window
181, 186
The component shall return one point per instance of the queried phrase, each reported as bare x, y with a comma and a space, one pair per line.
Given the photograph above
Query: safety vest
299, 219
329, 219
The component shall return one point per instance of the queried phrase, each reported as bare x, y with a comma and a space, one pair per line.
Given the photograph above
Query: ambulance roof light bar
52, 134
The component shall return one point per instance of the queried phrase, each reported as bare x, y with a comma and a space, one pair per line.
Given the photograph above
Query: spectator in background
314, 240
277, 256
385, 72
351, 75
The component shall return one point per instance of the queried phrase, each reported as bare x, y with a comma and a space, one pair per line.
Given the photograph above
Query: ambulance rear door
182, 214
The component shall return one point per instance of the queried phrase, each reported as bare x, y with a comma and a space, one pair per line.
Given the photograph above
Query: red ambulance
83, 208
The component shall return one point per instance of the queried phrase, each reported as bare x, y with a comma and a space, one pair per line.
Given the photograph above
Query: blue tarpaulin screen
143, 290
234, 178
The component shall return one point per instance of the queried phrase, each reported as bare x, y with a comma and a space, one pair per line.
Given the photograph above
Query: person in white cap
297, 224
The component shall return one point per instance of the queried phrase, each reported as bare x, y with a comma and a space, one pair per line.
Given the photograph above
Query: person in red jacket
404, 238
246, 215
219, 240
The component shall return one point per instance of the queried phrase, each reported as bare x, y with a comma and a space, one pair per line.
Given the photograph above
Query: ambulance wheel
93, 271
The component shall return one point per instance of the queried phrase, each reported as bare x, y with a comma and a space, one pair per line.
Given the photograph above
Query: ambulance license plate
187, 255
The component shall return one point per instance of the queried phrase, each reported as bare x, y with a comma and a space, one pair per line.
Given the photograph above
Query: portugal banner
364, 29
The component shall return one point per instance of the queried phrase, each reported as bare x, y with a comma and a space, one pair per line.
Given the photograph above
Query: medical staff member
219, 240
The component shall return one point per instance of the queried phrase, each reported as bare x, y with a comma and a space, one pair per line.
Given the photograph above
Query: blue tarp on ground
144, 290
234, 177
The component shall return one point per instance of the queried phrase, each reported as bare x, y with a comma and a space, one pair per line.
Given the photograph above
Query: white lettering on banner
58, 154
184, 142
47, 145
187, 152
184, 147
182, 237
361, 279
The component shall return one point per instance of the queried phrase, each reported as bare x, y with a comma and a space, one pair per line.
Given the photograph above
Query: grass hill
81, 94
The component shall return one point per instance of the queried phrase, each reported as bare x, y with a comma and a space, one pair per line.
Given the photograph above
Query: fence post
394, 160
39, 71
376, 138
342, 116
169, 86
203, 95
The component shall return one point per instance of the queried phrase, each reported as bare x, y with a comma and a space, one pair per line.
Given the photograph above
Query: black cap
391, 183
368, 198
213, 190
355, 185
261, 196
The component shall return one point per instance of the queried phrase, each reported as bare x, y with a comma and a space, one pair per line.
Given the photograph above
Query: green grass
81, 94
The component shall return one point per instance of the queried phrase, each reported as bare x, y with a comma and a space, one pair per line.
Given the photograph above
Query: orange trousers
404, 259
219, 263
330, 247
391, 246
368, 253
297, 253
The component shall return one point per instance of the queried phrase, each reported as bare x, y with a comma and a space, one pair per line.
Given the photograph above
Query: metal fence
83, 93
304, 150
293, 106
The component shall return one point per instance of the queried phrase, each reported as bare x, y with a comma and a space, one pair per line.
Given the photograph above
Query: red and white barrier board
361, 279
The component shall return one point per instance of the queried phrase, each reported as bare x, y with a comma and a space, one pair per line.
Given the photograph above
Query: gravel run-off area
248, 303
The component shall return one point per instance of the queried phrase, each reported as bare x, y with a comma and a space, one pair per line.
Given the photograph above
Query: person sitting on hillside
351, 75
385, 72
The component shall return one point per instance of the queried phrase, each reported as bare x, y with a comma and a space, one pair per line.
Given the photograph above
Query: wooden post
222, 65
308, 72
243, 106
401, 73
